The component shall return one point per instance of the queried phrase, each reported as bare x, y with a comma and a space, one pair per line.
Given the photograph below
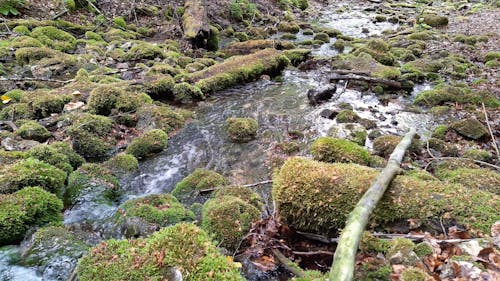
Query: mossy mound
31, 206
150, 143
122, 163
470, 128
52, 156
183, 246
91, 176
11, 157
329, 149
31, 172
433, 20
239, 69
452, 94
54, 38
160, 117
478, 154
88, 135
198, 180
144, 50
185, 93
31, 130
347, 116
158, 210
384, 145
482, 179
241, 129
364, 62
42, 103
74, 159
378, 49
317, 197
245, 194
228, 218
414, 274
103, 99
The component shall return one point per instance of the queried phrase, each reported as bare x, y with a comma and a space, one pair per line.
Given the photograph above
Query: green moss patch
198, 180
241, 129
329, 149
54, 38
150, 143
451, 94
482, 179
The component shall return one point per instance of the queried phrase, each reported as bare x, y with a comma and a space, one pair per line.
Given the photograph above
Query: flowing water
279, 107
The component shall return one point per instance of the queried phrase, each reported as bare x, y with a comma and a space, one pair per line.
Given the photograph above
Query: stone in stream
328, 113
321, 95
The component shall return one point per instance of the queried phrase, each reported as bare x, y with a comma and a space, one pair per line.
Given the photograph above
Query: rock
405, 258
71, 106
318, 96
122, 65
470, 128
328, 113
495, 233
471, 248
12, 144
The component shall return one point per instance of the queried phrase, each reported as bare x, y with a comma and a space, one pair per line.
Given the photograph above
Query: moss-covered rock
52, 156
52, 242
198, 180
286, 26
470, 128
322, 37
245, 194
228, 218
28, 55
74, 159
144, 50
443, 94
31, 130
31, 172
150, 143
329, 149
11, 157
103, 99
157, 210
43, 103
239, 69
123, 163
88, 134
433, 20
241, 129
160, 117
31, 206
183, 246
478, 154
54, 38
317, 197
347, 116
384, 145
483, 179
91, 176
414, 274
162, 87
185, 93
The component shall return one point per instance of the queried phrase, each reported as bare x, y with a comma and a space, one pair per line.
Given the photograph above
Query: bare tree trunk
343, 263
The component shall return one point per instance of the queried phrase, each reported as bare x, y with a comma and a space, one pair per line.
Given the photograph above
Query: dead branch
344, 259
390, 83
491, 131
15, 79
288, 264
10, 124
313, 253
208, 190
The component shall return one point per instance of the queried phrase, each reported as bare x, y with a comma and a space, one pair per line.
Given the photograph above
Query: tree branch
390, 83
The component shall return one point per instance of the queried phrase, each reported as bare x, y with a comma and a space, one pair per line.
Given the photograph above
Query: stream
279, 108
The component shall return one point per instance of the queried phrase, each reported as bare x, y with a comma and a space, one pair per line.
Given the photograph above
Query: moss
161, 87
115, 34
442, 147
322, 37
347, 116
150, 143
144, 50
239, 69
213, 39
103, 99
339, 45
492, 56
286, 26
161, 117
25, 42
90, 175
43, 103
15, 94
54, 38
31, 130
198, 180
403, 245
158, 209
482, 179
478, 154
21, 30
288, 36
329, 149
228, 218
317, 197
183, 246
31, 172
433, 20
470, 128
51, 242
31, 206
52, 156
90, 123
89, 145
185, 92
365, 63
120, 22
74, 159
423, 249
130, 102
28, 55
414, 274
384, 145
440, 131
243, 193
372, 244
10, 157
123, 163
443, 94
241, 129
492, 64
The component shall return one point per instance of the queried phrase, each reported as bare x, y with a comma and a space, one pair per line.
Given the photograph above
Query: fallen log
344, 258
195, 23
390, 83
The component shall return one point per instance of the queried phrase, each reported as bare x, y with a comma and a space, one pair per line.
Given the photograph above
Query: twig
313, 253
10, 124
491, 131
93, 6
384, 236
35, 79
288, 264
442, 227
60, 14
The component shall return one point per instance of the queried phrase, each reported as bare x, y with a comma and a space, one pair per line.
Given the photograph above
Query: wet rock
318, 96
470, 128
328, 113
12, 144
